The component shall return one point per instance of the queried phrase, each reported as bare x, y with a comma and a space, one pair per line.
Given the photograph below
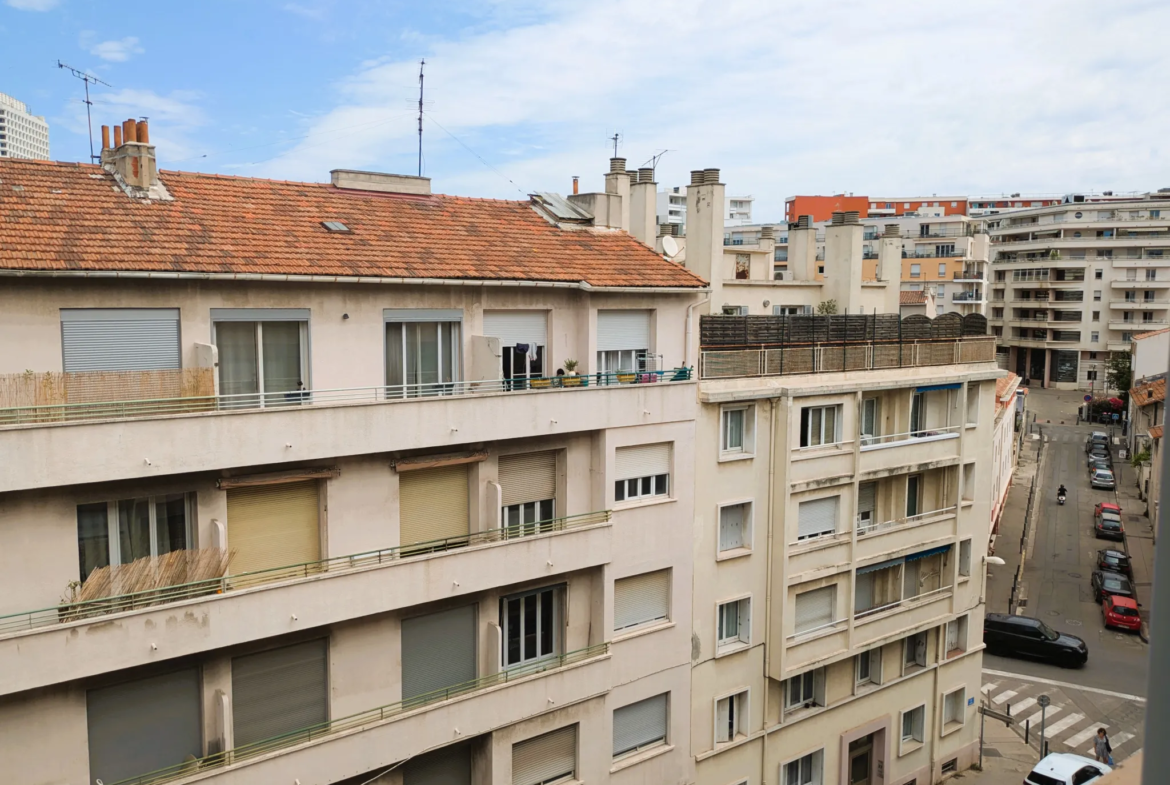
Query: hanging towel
532, 353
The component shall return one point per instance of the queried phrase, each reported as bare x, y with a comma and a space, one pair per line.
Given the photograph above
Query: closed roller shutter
143, 725
644, 460
640, 599
438, 651
866, 500
547, 758
817, 516
815, 608
639, 724
432, 504
279, 691
120, 339
531, 477
448, 766
273, 526
618, 330
513, 327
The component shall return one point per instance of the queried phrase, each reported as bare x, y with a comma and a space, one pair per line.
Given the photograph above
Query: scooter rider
1061, 491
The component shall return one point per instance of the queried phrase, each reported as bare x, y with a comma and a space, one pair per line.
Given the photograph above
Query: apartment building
22, 134
1075, 282
672, 208
1005, 442
295, 491
820, 208
1148, 362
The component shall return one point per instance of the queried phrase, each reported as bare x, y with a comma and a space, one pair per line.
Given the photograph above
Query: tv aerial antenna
616, 139
654, 159
88, 78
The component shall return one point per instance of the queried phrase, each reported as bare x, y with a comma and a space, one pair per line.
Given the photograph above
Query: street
1060, 558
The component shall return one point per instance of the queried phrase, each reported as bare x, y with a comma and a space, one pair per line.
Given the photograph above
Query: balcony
1137, 327
877, 537
909, 613
387, 734
958, 253
1143, 284
802, 649
967, 297
836, 357
1140, 305
77, 640
887, 454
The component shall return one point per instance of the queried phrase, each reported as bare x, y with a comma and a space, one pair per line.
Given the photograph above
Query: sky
914, 97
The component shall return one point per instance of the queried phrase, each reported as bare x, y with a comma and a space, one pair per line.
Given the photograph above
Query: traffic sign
1116, 417
1088, 399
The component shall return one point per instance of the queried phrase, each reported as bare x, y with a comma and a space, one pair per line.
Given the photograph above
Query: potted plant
572, 379
570, 367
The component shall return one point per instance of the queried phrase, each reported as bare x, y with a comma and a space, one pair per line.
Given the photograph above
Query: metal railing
833, 357
160, 407
89, 609
954, 253
814, 630
354, 721
910, 520
873, 442
913, 600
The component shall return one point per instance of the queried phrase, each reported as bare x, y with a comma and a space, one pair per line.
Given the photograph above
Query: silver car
1102, 478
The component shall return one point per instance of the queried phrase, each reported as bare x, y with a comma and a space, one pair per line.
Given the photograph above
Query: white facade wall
22, 135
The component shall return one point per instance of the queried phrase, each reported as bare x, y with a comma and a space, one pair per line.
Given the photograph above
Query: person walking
1102, 748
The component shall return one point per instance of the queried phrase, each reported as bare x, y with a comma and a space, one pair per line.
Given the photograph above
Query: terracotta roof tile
1151, 334
1156, 432
1145, 393
61, 216
911, 298
1003, 384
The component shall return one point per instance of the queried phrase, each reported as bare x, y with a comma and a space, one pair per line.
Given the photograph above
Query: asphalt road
1061, 560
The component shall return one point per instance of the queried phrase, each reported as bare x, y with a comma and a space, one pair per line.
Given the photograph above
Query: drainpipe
772, 436
690, 316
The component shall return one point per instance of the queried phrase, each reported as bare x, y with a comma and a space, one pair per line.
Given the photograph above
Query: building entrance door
1036, 366
860, 760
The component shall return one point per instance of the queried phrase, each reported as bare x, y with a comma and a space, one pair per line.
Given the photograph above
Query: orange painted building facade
821, 208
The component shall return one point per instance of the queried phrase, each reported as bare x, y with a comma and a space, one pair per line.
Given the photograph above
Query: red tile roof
73, 217
1150, 334
1003, 385
1145, 393
1156, 432
911, 298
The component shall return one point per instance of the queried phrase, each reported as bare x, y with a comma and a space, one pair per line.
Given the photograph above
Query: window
1094, 336
1098, 274
263, 354
641, 600
877, 586
119, 532
529, 487
956, 636
1097, 295
968, 494
1148, 296
735, 310
734, 624
438, 651
546, 759
623, 340
870, 426
531, 623
954, 709
866, 504
868, 666
1090, 376
915, 271
807, 689
940, 291
918, 413
643, 472
1151, 275
944, 250
820, 425
731, 717
738, 430
265, 705
1096, 316
913, 495
942, 270
972, 404
735, 526
815, 609
640, 725
913, 726
804, 771
965, 557
523, 336
790, 310
817, 517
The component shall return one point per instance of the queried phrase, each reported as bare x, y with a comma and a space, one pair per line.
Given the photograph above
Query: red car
1107, 506
1121, 612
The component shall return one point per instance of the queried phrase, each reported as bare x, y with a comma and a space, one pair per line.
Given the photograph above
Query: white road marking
1119, 739
1062, 725
1034, 720
1023, 705
1003, 697
988, 688
1085, 735
1035, 680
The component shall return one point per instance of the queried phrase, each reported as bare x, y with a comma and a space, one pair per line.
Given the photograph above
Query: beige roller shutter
432, 504
547, 758
643, 460
273, 526
531, 477
641, 599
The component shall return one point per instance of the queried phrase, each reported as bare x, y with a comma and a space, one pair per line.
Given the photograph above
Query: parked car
1102, 506
1098, 437
1114, 561
1121, 612
1022, 636
1064, 768
1096, 462
1102, 478
1107, 525
1100, 452
1109, 584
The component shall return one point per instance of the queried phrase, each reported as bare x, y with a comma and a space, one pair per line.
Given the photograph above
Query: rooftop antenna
615, 139
422, 64
654, 159
87, 78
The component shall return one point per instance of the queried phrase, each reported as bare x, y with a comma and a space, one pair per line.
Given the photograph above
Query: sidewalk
1011, 528
1006, 759
1139, 538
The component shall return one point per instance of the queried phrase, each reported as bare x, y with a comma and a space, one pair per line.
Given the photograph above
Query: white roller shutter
438, 651
618, 330
866, 500
531, 477
639, 724
815, 608
644, 460
120, 339
513, 327
640, 599
433, 504
279, 691
547, 758
446, 766
817, 516
273, 526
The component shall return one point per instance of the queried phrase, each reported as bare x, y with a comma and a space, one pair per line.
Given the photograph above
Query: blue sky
791, 96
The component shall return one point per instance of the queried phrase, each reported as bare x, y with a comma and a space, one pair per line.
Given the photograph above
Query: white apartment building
301, 497
672, 208
22, 134
1076, 281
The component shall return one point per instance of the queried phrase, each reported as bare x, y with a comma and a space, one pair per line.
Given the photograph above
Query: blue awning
931, 387
879, 566
925, 554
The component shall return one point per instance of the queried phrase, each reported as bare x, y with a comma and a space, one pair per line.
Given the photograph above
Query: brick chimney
132, 160
643, 207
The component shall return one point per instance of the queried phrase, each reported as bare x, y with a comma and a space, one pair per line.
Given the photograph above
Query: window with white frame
735, 526
734, 624
804, 690
914, 651
820, 425
731, 717
867, 667
806, 770
119, 532
870, 425
965, 557
423, 351
956, 640
815, 608
915, 271
531, 624
913, 726
263, 354
737, 430
643, 471
954, 709
817, 517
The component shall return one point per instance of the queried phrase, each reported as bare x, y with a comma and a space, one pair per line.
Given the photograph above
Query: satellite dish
670, 246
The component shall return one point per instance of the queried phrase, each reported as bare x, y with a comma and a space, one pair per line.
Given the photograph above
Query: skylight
335, 226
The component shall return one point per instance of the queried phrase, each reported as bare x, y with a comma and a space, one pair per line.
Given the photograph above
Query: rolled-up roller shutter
433, 504
531, 477
120, 339
545, 758
279, 691
643, 460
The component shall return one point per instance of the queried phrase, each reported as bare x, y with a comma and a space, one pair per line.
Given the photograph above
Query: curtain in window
93, 537
133, 529
170, 514
238, 369
282, 357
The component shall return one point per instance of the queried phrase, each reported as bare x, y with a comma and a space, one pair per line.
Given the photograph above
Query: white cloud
117, 51
792, 97
176, 120
33, 5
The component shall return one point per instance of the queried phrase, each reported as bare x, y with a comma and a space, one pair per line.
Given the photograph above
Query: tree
827, 308
1118, 374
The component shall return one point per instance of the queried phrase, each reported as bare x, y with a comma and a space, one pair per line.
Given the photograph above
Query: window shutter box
815, 608
639, 724
433, 504
545, 758
818, 516
531, 477
120, 339
438, 651
279, 691
640, 599
513, 327
273, 526
644, 460
618, 330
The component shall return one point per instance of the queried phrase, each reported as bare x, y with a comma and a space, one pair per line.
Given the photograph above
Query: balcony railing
356, 721
905, 601
873, 527
967, 297
89, 609
869, 442
126, 409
